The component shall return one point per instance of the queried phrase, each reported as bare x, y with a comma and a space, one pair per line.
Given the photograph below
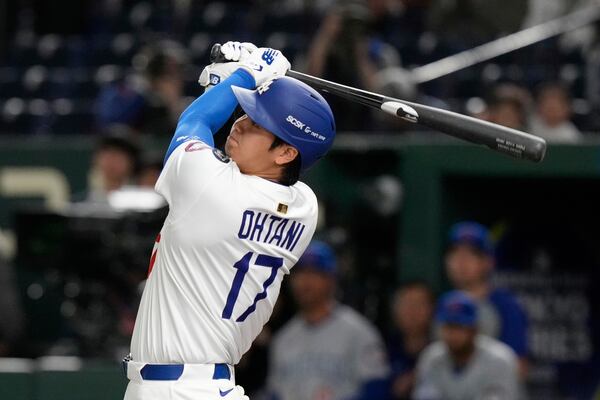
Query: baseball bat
496, 137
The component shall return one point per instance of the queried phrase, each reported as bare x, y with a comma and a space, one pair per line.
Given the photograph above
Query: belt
137, 371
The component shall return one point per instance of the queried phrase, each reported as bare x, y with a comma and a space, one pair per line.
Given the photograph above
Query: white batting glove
236, 51
265, 64
215, 73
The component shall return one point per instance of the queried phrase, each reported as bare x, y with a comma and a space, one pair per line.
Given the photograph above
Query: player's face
114, 165
459, 339
413, 309
249, 145
466, 266
311, 288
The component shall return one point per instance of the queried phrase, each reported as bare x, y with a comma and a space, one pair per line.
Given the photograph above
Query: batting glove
236, 51
264, 64
233, 52
215, 73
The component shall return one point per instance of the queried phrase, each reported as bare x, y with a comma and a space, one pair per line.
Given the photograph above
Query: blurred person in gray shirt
552, 119
465, 365
328, 351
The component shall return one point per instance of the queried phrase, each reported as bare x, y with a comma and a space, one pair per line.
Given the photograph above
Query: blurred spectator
328, 351
149, 171
401, 21
469, 264
152, 105
553, 110
113, 166
541, 11
471, 22
339, 51
508, 105
412, 315
465, 365
164, 97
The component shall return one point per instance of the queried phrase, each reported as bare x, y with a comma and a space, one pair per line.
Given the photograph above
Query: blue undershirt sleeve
207, 114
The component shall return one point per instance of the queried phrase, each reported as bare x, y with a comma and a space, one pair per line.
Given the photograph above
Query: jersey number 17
242, 267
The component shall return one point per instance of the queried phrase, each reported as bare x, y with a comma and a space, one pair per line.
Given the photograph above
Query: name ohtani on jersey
270, 229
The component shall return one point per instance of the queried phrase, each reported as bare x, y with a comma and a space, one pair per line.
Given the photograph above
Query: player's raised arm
206, 115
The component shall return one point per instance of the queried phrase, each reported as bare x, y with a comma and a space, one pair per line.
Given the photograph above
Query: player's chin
231, 146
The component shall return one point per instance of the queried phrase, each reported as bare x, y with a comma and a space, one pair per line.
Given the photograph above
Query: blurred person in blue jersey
470, 263
327, 351
465, 365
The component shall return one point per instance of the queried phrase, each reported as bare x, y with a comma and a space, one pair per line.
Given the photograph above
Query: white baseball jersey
218, 262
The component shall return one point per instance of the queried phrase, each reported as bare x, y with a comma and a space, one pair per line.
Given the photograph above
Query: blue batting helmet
294, 112
473, 234
458, 308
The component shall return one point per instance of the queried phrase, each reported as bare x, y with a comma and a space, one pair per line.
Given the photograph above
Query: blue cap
294, 112
318, 256
458, 308
473, 234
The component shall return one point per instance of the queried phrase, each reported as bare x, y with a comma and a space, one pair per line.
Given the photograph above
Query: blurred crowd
136, 63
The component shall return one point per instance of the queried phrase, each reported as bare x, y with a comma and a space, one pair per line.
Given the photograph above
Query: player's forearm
215, 107
207, 114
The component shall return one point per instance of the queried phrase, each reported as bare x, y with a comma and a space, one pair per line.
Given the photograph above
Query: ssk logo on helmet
304, 128
294, 121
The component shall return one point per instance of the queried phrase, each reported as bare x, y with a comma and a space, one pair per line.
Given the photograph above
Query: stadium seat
35, 82
140, 15
10, 84
60, 83
123, 46
52, 51
13, 117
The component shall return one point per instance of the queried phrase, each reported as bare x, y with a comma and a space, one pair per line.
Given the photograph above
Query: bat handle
215, 54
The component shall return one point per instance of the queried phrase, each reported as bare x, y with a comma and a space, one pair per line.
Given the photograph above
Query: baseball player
237, 224
464, 365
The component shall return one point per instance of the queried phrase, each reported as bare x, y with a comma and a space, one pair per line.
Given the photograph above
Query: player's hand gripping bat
498, 138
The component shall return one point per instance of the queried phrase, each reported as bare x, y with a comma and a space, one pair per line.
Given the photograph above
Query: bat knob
215, 54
